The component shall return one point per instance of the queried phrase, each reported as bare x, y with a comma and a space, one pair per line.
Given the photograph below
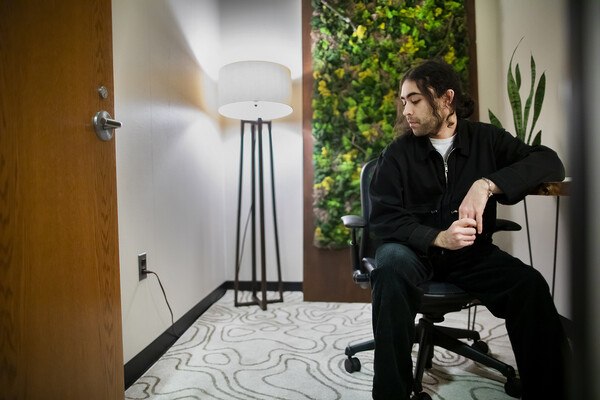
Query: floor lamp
255, 92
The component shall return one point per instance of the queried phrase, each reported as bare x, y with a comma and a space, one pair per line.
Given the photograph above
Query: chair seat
445, 289
442, 297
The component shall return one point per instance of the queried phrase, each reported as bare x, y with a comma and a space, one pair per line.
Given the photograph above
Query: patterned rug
295, 350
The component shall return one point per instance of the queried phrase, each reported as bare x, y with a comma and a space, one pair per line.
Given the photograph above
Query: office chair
439, 298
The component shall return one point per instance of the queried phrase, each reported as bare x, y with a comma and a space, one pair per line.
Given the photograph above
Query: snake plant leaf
515, 101
521, 116
538, 139
494, 120
529, 98
539, 100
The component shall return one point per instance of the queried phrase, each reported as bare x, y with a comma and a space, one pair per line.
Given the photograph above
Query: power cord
239, 260
166, 300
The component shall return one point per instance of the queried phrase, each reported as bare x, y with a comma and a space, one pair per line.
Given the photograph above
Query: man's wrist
439, 240
490, 186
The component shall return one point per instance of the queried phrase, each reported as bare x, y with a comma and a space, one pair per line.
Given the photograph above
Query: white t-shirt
443, 146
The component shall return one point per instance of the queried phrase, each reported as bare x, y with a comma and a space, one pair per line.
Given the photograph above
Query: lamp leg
279, 282
253, 209
236, 283
261, 205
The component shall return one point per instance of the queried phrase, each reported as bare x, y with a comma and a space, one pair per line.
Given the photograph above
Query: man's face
418, 112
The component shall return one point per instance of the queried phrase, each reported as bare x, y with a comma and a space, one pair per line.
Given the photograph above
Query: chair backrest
368, 242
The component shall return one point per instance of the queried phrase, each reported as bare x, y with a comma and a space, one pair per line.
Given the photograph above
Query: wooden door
60, 313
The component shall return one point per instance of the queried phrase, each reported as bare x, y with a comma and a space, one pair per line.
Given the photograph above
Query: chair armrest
506, 225
354, 221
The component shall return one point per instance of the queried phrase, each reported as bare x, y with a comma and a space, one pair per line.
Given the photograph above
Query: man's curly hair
437, 77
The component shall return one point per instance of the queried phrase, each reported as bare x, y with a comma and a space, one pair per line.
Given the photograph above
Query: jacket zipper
446, 172
446, 165
445, 160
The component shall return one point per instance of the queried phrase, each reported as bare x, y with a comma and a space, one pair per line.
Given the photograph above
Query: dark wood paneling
473, 82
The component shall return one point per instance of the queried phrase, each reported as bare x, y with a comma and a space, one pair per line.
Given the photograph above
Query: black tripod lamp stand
255, 92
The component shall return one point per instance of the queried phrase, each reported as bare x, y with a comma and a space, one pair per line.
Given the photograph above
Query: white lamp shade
250, 90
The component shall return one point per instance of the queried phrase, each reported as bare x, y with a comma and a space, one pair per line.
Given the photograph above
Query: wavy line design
295, 351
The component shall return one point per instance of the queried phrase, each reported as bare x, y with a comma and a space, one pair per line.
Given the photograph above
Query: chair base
429, 336
352, 364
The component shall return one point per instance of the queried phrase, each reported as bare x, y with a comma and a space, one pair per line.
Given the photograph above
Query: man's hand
460, 234
474, 203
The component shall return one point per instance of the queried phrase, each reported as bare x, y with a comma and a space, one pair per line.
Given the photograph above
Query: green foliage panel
360, 51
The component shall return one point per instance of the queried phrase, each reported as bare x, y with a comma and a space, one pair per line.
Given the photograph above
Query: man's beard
431, 126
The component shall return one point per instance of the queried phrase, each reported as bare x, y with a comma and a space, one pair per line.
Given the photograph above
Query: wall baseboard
271, 286
138, 365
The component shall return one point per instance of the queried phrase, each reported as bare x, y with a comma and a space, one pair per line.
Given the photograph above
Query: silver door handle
104, 125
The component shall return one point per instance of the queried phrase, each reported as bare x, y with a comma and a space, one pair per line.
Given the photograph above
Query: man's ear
448, 97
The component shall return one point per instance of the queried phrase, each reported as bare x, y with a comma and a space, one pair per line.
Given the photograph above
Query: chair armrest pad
506, 225
353, 221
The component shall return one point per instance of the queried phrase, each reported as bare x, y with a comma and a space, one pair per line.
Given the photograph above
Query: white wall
268, 30
543, 26
177, 159
169, 169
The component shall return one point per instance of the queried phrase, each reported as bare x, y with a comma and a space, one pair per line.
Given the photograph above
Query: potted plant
521, 113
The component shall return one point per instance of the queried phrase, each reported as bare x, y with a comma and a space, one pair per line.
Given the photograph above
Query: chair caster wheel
421, 396
481, 347
512, 387
352, 364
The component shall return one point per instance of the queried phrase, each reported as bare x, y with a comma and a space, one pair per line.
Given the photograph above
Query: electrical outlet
142, 266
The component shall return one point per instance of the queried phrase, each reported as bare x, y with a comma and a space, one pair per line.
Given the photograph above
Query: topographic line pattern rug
295, 350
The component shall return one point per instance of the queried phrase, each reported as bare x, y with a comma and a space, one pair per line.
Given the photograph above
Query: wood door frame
328, 273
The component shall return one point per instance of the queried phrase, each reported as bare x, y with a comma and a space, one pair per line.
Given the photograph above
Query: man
434, 195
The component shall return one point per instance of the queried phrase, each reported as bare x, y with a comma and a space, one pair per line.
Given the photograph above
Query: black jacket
414, 197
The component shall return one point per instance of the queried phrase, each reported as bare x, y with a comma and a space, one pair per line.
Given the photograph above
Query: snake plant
520, 114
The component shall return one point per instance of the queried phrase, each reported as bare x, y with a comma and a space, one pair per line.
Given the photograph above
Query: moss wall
360, 51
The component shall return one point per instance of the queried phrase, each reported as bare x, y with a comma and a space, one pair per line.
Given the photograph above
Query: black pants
506, 286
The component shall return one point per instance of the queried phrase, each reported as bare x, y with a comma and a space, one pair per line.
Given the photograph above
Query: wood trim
473, 76
552, 189
327, 273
